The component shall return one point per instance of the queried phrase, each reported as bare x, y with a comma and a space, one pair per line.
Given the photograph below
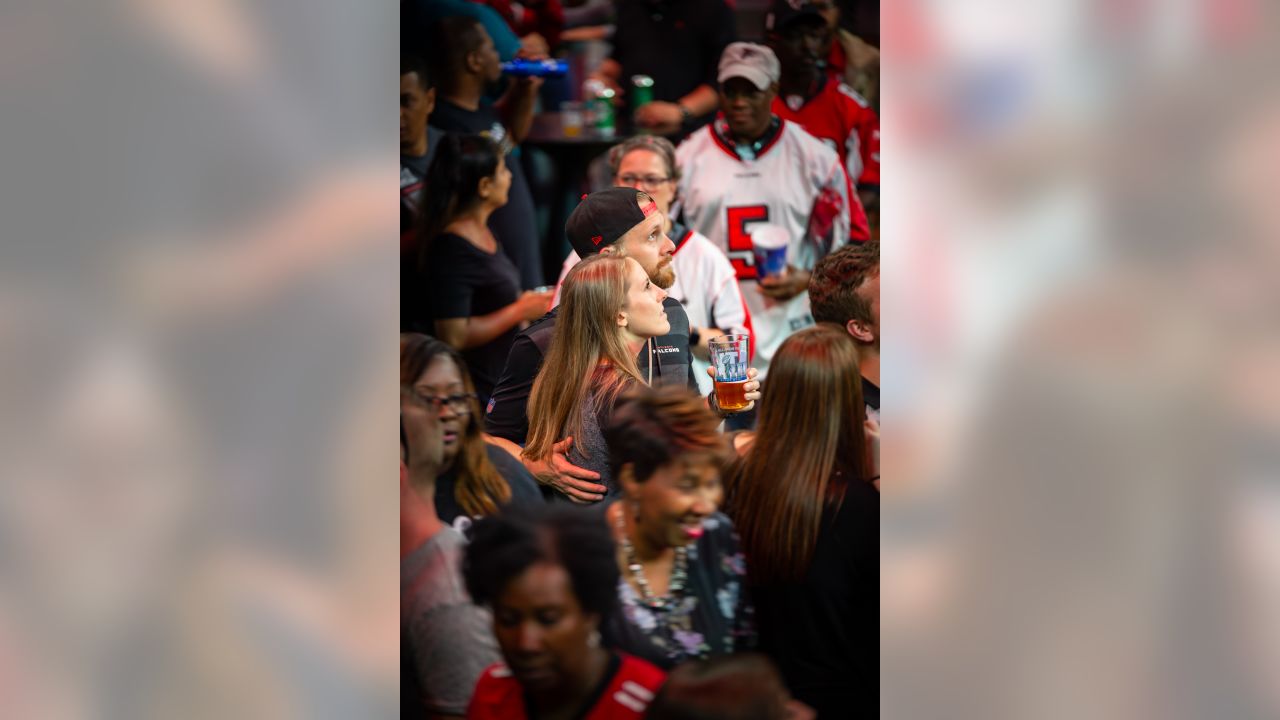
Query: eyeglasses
460, 403
648, 181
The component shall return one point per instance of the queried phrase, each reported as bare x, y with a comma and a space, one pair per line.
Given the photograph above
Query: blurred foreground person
475, 288
445, 638
475, 478
809, 516
735, 687
611, 311
549, 578
682, 591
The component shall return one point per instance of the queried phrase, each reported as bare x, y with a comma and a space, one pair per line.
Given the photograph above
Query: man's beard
664, 276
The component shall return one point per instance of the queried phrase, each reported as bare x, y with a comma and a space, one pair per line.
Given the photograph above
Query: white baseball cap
756, 63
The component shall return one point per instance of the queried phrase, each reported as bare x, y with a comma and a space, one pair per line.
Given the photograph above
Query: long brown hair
480, 489
807, 449
587, 353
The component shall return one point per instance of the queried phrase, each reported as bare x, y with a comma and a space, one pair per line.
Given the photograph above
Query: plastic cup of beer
769, 244
571, 118
730, 358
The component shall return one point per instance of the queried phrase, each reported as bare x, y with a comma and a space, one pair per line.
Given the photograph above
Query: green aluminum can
603, 107
642, 90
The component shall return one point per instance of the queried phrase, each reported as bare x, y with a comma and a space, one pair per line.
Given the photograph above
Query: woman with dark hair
476, 478
809, 516
475, 293
548, 575
682, 593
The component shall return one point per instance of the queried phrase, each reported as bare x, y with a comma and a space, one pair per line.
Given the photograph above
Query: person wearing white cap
750, 168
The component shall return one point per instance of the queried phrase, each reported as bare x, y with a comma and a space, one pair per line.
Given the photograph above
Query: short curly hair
503, 546
833, 287
652, 427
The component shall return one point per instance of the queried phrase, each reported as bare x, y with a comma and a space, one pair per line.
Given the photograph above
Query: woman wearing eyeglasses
476, 478
706, 284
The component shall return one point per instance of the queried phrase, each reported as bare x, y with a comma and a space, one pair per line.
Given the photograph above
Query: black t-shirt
466, 281
507, 412
824, 631
524, 489
677, 43
514, 224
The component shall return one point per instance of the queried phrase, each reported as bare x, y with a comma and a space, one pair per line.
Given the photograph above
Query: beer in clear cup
729, 356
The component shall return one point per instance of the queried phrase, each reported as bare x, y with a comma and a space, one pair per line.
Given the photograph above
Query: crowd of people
587, 528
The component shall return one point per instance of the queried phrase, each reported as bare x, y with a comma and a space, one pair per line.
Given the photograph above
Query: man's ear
473, 62
609, 249
860, 331
429, 99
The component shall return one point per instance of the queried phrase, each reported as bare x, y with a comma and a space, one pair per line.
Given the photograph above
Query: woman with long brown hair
610, 310
476, 478
803, 500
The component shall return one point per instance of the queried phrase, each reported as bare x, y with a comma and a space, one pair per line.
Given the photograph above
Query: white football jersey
793, 180
705, 285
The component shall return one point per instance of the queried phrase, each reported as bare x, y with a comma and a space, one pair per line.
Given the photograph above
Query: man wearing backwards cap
751, 167
618, 220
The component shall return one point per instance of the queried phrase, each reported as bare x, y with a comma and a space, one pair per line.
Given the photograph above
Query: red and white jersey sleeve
626, 696
794, 180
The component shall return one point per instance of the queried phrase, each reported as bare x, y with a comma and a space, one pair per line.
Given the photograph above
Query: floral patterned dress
712, 616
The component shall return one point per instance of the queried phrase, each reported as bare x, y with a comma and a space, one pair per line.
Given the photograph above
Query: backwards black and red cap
605, 216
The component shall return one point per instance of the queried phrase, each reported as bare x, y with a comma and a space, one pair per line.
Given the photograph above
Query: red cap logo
597, 239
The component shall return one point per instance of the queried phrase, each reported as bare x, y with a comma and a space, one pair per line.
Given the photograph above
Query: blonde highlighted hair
587, 354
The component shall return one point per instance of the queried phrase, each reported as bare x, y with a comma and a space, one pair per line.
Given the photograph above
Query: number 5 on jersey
740, 250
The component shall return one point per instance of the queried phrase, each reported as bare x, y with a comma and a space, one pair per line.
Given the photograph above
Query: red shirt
844, 120
628, 688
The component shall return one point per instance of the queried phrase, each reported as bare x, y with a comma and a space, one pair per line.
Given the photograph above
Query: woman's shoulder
641, 672
497, 694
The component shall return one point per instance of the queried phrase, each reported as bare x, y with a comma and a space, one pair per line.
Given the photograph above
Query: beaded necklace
679, 572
